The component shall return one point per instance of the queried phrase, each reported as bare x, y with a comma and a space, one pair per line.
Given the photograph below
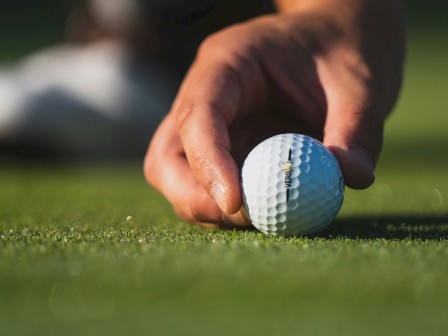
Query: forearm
343, 7
383, 18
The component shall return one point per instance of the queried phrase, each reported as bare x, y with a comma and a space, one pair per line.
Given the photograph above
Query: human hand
304, 72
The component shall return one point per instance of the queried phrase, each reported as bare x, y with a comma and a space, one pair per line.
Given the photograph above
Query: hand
304, 72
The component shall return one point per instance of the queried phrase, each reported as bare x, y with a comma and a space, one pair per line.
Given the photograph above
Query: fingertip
357, 166
227, 198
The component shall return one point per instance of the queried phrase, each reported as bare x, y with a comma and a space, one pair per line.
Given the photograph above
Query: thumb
355, 136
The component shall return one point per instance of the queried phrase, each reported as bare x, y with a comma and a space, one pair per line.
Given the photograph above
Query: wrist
378, 23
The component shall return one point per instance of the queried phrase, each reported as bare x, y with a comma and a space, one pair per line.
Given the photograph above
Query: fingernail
218, 192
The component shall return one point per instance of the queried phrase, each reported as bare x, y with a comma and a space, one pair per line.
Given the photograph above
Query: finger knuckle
184, 115
149, 169
218, 42
230, 45
212, 43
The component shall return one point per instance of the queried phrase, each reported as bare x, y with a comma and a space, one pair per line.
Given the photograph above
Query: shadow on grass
429, 227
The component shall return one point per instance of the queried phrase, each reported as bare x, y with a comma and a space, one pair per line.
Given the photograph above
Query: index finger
208, 102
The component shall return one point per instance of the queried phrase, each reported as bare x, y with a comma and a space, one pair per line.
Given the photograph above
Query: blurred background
92, 79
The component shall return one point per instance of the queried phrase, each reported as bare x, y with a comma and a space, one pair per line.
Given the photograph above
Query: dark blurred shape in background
92, 79
90, 93
107, 76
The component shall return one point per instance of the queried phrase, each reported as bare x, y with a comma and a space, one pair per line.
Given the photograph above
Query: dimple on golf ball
292, 185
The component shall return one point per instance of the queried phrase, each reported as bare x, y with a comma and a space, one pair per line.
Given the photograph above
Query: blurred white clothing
89, 100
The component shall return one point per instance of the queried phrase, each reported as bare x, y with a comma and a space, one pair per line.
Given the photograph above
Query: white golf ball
292, 185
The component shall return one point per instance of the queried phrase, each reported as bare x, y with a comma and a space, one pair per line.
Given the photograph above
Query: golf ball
292, 185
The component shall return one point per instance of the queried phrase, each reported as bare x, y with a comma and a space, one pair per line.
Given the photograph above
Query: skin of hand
331, 69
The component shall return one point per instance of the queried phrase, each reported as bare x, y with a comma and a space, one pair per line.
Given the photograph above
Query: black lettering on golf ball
288, 175
287, 169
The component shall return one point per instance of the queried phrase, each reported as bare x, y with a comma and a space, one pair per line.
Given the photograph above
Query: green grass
70, 263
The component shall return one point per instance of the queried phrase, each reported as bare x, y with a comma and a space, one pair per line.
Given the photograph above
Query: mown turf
71, 264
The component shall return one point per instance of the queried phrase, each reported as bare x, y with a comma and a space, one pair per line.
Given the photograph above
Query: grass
70, 262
